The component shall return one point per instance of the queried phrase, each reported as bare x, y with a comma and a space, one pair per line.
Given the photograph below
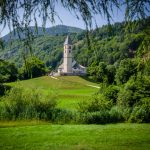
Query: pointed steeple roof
68, 41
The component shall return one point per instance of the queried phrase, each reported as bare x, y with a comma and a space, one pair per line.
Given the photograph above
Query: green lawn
74, 137
70, 90
33, 135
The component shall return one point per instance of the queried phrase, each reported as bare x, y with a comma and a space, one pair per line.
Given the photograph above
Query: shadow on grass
88, 79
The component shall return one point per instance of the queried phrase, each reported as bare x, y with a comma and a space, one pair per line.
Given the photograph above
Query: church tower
67, 56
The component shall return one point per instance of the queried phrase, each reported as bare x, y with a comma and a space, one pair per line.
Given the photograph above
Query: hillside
69, 90
108, 44
47, 48
39, 31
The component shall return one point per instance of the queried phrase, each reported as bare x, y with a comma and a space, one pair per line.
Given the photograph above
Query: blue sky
70, 19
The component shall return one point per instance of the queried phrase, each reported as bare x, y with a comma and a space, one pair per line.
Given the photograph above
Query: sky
70, 19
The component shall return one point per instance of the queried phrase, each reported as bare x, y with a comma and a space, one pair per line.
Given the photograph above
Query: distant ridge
53, 31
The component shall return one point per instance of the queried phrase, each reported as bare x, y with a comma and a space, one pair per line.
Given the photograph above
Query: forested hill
117, 57
109, 44
55, 30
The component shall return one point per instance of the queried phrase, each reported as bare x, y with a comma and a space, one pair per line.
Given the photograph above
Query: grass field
69, 89
38, 135
44, 136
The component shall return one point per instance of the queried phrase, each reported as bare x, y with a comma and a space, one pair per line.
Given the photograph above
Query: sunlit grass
70, 90
75, 137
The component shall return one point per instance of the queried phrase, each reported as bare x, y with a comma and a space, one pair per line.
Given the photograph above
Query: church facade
69, 65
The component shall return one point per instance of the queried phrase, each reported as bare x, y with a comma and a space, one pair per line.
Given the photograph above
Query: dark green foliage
3, 89
127, 68
113, 115
111, 71
32, 68
129, 102
141, 111
116, 115
97, 117
64, 116
98, 72
111, 93
127, 64
8, 71
134, 90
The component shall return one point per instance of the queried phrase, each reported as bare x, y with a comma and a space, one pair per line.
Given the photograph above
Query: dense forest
117, 56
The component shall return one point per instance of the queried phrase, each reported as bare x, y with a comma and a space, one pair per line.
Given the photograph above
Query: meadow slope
38, 135
70, 90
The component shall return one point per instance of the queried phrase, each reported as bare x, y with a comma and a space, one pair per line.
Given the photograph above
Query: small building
69, 65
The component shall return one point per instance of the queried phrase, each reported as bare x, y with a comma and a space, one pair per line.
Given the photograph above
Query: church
69, 65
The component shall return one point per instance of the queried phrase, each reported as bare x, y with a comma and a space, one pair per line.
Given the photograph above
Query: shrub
63, 116
3, 89
141, 112
111, 93
133, 91
116, 114
26, 104
98, 117
97, 102
127, 68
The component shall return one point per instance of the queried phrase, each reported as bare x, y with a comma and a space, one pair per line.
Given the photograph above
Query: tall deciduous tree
33, 68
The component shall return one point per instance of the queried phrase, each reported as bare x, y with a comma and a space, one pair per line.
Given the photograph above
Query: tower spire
68, 41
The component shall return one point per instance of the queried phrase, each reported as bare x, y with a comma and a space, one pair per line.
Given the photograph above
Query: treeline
47, 48
120, 62
32, 67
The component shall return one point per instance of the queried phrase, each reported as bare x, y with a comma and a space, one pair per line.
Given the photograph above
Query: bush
63, 116
3, 89
97, 102
141, 112
26, 104
116, 115
102, 117
98, 117
111, 93
127, 68
133, 91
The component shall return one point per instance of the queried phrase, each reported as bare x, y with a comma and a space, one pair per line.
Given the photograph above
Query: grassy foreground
70, 90
33, 135
74, 137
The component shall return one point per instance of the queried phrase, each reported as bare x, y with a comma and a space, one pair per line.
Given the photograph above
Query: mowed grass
40, 135
70, 90
74, 137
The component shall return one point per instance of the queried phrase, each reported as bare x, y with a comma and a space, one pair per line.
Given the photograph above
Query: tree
8, 72
127, 68
98, 72
32, 9
111, 71
33, 68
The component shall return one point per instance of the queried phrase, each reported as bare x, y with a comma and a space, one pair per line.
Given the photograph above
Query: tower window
69, 51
